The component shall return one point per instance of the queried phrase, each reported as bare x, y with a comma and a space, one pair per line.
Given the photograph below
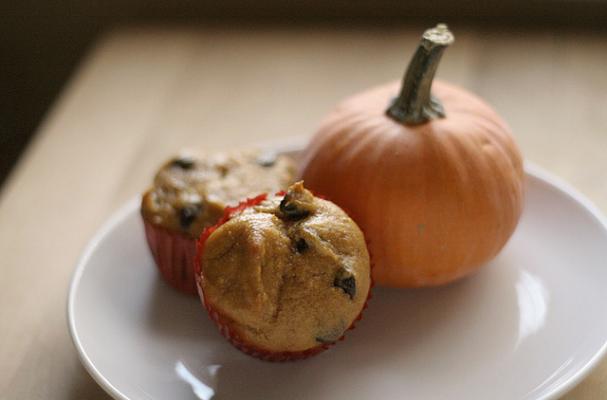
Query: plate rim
110, 224
531, 171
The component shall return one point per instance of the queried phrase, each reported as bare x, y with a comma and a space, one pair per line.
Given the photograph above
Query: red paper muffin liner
174, 254
225, 324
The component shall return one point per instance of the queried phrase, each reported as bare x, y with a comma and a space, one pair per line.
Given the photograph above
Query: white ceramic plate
529, 326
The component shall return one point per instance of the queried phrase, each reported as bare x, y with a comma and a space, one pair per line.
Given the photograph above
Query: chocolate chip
301, 245
266, 159
331, 335
291, 210
188, 214
222, 169
323, 340
346, 282
183, 163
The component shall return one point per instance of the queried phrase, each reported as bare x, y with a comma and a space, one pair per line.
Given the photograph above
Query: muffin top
289, 274
191, 192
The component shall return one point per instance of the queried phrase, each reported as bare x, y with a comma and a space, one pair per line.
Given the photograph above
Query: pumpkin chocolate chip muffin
284, 276
190, 193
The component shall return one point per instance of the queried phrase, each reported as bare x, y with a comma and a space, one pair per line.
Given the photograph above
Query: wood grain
142, 94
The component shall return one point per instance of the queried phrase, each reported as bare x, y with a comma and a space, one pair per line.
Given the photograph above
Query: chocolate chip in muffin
331, 335
291, 210
301, 245
188, 214
222, 169
346, 282
183, 163
324, 340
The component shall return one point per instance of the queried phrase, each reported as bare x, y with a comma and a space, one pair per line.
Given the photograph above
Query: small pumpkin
435, 180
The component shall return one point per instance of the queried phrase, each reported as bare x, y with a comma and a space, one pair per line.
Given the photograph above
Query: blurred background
41, 43
96, 94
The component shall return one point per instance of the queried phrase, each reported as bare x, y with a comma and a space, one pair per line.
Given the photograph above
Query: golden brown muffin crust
191, 192
291, 273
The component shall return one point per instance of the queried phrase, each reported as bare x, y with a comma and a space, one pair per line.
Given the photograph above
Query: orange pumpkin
435, 181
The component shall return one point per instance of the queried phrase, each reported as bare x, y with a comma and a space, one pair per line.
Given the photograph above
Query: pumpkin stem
415, 103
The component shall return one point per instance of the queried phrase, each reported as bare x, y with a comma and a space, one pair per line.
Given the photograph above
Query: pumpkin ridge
436, 200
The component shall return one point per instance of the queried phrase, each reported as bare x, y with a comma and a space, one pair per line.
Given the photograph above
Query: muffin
284, 276
190, 193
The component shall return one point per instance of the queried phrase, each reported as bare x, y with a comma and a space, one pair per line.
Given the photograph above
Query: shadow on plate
173, 314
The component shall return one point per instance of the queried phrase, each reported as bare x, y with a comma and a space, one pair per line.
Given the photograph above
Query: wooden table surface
144, 93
